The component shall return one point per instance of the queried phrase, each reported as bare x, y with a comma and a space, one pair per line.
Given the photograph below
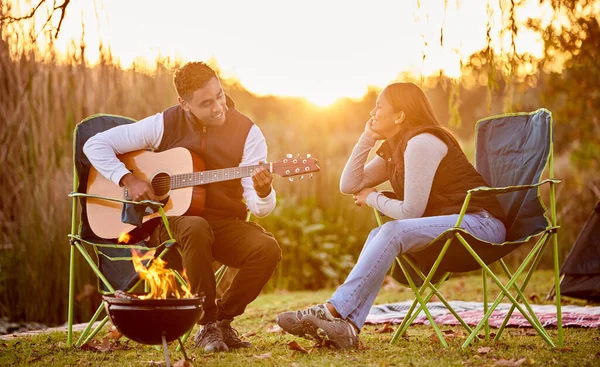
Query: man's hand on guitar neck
262, 179
137, 189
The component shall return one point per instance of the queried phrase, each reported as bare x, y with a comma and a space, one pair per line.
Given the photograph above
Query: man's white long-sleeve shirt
102, 150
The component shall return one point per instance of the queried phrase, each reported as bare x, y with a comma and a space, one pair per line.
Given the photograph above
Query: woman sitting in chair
430, 175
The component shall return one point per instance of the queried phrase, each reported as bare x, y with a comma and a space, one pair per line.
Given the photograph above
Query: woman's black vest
454, 176
219, 147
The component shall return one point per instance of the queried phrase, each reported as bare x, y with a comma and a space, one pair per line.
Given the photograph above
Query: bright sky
318, 49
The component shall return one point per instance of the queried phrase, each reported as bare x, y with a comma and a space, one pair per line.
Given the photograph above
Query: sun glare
271, 49
322, 100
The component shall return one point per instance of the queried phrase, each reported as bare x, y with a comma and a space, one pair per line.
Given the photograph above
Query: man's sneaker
210, 338
230, 335
291, 321
338, 332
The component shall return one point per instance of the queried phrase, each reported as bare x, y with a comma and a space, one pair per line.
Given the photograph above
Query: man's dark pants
236, 243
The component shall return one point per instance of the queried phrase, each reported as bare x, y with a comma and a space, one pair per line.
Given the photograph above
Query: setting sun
302, 49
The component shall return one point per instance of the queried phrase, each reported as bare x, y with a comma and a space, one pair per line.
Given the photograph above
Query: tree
51, 11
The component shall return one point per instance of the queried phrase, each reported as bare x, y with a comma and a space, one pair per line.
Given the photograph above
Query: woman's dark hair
411, 99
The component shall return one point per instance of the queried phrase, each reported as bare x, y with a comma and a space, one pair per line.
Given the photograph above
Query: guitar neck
205, 177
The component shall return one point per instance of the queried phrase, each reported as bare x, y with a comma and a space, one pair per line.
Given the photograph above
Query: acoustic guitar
177, 176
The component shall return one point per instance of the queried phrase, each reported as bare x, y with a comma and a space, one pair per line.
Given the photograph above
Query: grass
582, 346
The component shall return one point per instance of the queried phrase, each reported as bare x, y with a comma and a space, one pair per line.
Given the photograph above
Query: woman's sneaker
338, 333
291, 321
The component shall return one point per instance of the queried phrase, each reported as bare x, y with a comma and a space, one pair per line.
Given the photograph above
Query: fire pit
147, 321
154, 321
163, 314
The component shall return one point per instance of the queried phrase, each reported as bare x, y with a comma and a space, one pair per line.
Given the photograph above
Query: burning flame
124, 238
162, 282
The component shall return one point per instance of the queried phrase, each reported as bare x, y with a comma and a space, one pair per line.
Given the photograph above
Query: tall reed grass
41, 101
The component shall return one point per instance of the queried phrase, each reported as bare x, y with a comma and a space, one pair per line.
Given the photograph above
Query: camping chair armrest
143, 202
484, 190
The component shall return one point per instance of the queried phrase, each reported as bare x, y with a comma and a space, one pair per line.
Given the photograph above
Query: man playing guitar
206, 123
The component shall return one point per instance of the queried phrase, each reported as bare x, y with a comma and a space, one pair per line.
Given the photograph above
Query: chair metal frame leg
555, 250
410, 316
84, 338
504, 292
71, 296
537, 260
485, 303
438, 294
424, 306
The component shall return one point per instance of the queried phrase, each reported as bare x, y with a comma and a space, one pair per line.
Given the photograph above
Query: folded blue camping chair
512, 153
113, 261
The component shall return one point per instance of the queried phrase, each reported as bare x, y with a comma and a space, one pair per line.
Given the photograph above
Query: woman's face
384, 117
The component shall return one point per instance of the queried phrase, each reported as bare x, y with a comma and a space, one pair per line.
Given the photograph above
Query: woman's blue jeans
354, 298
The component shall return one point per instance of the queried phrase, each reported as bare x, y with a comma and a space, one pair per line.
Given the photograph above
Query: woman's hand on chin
369, 131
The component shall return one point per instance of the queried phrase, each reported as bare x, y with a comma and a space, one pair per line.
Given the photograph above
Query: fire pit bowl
147, 321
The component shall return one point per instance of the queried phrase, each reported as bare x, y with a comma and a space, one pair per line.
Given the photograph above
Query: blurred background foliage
320, 231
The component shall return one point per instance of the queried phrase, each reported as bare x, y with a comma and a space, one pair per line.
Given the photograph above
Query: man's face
207, 103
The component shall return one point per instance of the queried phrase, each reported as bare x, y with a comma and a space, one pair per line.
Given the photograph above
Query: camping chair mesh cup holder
113, 265
528, 223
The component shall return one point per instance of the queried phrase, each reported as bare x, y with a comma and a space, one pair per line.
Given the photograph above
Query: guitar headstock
296, 166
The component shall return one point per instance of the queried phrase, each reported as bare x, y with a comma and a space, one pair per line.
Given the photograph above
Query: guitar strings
165, 182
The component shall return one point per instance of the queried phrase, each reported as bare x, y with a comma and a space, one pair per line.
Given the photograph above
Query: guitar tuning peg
308, 155
311, 175
289, 155
291, 179
302, 177
298, 155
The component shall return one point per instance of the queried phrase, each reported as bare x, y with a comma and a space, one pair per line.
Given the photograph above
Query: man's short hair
191, 77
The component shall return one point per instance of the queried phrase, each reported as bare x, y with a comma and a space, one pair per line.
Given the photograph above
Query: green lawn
517, 348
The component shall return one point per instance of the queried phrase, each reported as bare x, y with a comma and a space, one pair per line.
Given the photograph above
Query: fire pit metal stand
166, 350
154, 321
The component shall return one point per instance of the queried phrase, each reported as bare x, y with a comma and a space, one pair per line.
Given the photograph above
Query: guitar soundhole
161, 183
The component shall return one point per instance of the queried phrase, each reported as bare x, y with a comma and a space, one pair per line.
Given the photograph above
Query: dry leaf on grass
113, 333
103, 346
448, 334
534, 298
525, 332
183, 363
361, 345
510, 363
293, 345
484, 350
564, 349
275, 329
248, 334
452, 333
263, 356
385, 329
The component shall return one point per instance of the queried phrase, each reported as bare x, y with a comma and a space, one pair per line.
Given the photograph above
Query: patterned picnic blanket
472, 313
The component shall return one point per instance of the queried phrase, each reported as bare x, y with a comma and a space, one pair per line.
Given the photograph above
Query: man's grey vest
219, 147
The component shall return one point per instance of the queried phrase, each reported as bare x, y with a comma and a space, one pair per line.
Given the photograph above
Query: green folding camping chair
113, 264
512, 153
